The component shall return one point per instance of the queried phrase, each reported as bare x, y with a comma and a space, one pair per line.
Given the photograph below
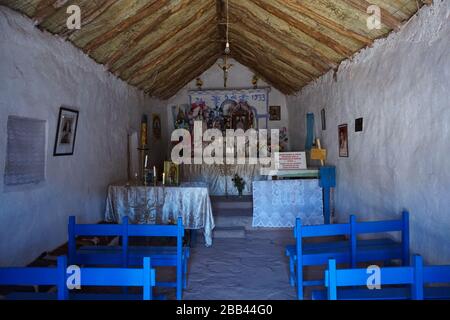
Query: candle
146, 158
154, 172
164, 178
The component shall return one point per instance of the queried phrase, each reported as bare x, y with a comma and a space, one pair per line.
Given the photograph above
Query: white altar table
218, 177
162, 205
277, 203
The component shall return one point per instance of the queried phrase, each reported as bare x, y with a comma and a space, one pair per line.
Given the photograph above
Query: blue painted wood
125, 255
327, 177
405, 238
350, 251
353, 241
38, 276
327, 180
412, 282
358, 277
380, 249
144, 277
326, 194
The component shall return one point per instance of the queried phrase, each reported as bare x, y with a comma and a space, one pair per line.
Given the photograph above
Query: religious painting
274, 113
241, 116
156, 126
180, 116
343, 140
66, 132
228, 109
172, 173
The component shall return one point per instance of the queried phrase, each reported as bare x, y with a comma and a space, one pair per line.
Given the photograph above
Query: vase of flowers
239, 184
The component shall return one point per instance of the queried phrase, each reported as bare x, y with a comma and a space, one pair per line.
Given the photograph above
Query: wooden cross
319, 153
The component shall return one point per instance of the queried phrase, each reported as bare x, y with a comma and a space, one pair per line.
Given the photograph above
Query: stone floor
251, 268
254, 268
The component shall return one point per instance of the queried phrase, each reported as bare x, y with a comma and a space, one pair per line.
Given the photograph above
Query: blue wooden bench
350, 250
125, 255
410, 283
51, 276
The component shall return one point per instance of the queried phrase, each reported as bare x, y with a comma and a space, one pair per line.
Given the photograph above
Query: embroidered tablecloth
162, 205
277, 203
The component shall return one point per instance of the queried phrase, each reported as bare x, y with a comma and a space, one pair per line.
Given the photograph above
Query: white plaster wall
38, 73
401, 160
239, 77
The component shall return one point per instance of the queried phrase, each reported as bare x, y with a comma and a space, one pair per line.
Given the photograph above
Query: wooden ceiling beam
163, 14
270, 73
310, 31
309, 67
269, 54
178, 81
149, 9
221, 16
45, 9
269, 77
89, 17
386, 17
317, 58
176, 53
174, 36
181, 43
172, 90
324, 21
265, 59
188, 59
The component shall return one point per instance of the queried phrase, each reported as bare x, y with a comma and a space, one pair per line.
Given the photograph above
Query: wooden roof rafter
161, 45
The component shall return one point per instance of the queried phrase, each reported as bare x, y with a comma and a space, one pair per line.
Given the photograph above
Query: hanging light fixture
227, 45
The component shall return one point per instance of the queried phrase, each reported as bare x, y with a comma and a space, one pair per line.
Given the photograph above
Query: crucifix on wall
225, 66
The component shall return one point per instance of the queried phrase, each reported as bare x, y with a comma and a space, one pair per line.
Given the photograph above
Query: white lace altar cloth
277, 203
162, 205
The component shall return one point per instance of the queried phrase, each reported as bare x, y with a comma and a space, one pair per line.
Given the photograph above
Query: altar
304, 194
162, 205
277, 203
218, 178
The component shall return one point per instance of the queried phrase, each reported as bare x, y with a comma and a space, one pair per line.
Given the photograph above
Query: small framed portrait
172, 173
156, 126
274, 113
66, 132
343, 140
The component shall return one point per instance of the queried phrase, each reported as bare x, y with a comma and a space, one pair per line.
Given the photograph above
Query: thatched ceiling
161, 45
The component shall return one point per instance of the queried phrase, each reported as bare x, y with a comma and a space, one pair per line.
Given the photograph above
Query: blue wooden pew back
350, 250
125, 255
371, 227
35, 276
411, 282
57, 276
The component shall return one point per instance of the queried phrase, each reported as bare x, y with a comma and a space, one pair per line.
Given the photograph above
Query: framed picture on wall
343, 140
156, 126
66, 132
275, 113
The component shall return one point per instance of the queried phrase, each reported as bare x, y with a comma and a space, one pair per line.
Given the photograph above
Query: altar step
232, 202
232, 216
229, 233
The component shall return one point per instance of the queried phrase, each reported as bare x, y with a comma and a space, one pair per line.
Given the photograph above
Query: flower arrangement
239, 183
